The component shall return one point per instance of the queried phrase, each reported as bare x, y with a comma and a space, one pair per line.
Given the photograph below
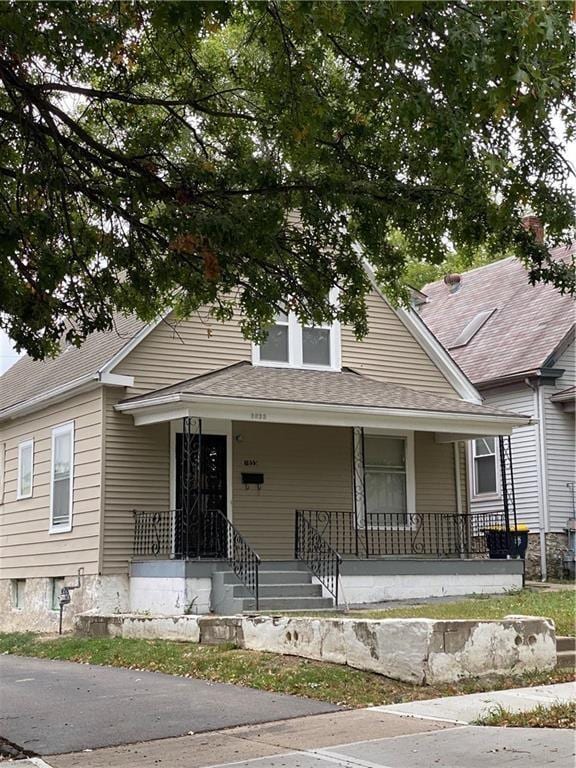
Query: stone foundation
556, 548
97, 594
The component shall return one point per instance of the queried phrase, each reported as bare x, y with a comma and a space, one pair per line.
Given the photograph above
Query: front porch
278, 501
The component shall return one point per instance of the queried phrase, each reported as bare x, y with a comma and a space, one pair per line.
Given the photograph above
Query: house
173, 470
516, 344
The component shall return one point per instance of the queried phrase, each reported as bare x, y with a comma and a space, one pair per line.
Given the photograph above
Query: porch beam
454, 423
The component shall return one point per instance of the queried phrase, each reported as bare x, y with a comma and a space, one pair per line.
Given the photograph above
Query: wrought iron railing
316, 553
436, 534
211, 536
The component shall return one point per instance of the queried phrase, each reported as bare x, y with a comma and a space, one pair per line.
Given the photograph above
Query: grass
265, 671
560, 715
559, 606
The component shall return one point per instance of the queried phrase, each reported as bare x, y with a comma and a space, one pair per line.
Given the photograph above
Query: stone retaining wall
421, 651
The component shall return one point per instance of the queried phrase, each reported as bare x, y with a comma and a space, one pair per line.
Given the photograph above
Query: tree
157, 155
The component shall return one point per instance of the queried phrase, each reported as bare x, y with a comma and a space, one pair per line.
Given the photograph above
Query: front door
200, 529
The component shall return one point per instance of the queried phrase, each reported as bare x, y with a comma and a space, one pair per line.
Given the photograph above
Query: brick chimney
533, 224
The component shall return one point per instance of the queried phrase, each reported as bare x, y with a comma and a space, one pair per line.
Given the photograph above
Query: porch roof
344, 397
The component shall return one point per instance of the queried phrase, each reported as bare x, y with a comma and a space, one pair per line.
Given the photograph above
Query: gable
176, 350
391, 353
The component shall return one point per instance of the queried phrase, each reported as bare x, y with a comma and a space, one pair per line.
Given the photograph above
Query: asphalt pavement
50, 707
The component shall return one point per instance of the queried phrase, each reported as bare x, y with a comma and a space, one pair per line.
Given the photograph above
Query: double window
485, 463
290, 344
62, 475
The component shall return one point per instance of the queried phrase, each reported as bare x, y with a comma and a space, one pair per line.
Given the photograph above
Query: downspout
539, 414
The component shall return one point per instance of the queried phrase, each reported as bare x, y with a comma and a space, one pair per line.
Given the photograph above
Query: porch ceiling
286, 395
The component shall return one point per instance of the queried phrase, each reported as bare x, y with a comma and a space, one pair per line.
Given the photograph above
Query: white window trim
295, 351
21, 446
62, 429
2, 471
408, 436
489, 495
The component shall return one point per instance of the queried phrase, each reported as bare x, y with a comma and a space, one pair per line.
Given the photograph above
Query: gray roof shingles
346, 388
28, 378
528, 325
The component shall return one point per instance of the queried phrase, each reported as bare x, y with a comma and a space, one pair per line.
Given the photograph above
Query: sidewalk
468, 709
396, 736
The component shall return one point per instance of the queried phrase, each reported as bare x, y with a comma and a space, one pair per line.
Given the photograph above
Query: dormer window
292, 345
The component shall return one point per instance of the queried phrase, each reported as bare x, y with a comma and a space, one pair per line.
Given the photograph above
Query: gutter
513, 420
541, 473
82, 384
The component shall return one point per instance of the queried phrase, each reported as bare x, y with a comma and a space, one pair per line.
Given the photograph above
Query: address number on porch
257, 416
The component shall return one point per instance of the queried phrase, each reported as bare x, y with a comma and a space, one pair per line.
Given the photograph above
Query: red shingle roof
528, 324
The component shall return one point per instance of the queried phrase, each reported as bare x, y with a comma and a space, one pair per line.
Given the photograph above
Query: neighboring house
169, 465
515, 342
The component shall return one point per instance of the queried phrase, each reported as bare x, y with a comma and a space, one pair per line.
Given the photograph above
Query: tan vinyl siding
176, 351
435, 480
389, 352
27, 550
304, 468
137, 461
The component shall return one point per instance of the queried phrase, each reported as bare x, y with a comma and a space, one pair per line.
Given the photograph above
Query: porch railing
436, 534
316, 553
211, 536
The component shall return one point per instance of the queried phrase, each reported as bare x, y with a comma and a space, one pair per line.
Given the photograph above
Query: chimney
453, 281
533, 224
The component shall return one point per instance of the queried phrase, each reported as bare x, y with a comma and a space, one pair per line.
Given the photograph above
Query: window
290, 344
18, 593
2, 470
25, 469
56, 585
485, 466
276, 348
471, 329
385, 478
62, 479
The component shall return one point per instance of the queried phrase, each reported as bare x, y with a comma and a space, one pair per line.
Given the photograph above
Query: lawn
265, 671
559, 606
560, 715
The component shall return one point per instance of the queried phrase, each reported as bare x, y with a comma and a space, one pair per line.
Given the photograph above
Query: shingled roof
243, 381
521, 330
29, 378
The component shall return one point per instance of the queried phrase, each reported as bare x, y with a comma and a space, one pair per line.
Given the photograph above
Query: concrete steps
566, 652
283, 587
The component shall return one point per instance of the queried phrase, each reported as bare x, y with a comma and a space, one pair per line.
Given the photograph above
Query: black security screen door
199, 529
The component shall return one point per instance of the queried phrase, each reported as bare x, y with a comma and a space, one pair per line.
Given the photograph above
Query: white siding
520, 399
559, 442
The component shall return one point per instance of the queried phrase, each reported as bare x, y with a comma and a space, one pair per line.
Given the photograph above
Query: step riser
566, 644
287, 604
275, 577
282, 590
566, 660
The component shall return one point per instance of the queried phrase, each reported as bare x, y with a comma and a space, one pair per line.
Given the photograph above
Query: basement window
471, 328
18, 593
56, 585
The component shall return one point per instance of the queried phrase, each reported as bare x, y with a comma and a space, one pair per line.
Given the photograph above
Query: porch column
508, 491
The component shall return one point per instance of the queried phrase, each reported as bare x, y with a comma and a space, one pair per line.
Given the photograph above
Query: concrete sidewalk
379, 737
468, 709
